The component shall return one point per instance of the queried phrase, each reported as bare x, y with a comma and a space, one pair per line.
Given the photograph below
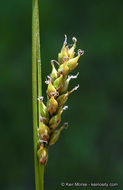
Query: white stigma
55, 62
40, 98
72, 76
65, 58
66, 125
65, 107
62, 71
80, 52
42, 118
65, 40
42, 141
48, 77
47, 80
54, 93
76, 87
74, 39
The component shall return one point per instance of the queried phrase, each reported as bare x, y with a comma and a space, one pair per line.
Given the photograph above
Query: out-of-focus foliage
90, 150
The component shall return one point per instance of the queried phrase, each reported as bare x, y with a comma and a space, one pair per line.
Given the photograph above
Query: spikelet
55, 135
57, 95
43, 131
54, 73
43, 111
64, 52
52, 105
42, 154
71, 51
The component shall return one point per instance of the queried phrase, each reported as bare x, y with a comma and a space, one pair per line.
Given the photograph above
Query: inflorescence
57, 95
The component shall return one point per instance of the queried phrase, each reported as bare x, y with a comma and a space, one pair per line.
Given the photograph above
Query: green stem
38, 64
34, 89
41, 176
41, 167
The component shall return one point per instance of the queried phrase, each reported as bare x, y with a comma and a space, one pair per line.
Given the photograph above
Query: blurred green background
91, 149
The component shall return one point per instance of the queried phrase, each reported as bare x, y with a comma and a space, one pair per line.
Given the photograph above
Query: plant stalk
36, 74
41, 167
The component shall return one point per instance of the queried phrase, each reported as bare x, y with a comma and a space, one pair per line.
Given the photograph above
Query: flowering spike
52, 105
57, 95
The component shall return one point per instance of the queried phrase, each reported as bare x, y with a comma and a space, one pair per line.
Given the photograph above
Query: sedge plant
47, 116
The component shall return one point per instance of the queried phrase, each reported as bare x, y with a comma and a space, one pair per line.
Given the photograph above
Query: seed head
57, 95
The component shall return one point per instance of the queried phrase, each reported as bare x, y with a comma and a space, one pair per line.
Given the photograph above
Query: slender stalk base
36, 69
41, 167
41, 176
